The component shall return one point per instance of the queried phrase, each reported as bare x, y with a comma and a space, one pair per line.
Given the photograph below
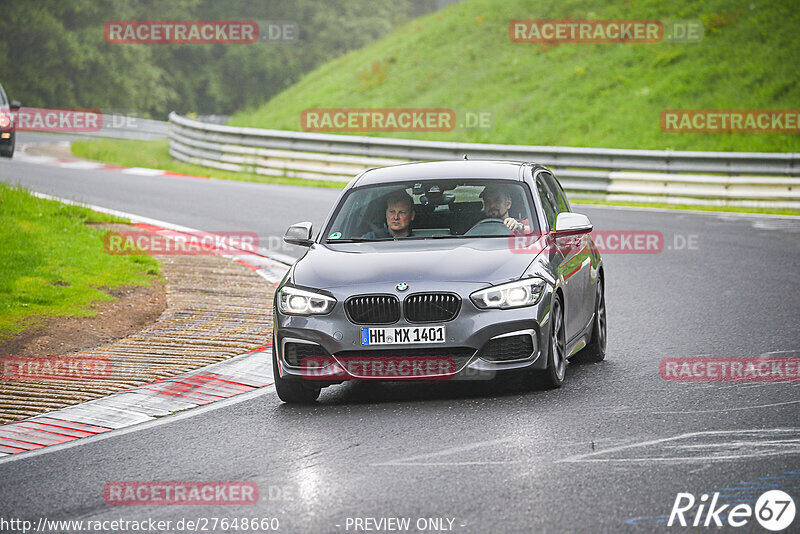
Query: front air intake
295, 353
373, 309
508, 348
431, 307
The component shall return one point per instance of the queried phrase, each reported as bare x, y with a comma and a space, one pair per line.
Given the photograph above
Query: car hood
474, 260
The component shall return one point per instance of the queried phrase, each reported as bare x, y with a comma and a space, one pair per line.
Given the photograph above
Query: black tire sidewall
548, 378
598, 350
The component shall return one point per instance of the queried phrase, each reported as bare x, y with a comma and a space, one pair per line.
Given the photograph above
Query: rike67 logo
774, 510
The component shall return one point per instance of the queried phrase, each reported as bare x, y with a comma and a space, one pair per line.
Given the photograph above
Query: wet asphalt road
608, 452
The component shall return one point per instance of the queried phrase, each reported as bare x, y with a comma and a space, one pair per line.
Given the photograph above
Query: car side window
557, 192
548, 202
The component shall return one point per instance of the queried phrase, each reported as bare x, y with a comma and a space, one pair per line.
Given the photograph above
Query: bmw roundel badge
402, 286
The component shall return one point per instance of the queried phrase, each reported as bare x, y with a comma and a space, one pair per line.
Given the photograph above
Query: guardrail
128, 127
725, 178
132, 127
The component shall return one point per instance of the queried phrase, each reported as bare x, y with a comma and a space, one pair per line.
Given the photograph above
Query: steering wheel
490, 221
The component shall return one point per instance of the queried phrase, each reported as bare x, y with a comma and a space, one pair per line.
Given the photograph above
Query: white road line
592, 456
740, 408
682, 459
445, 452
753, 385
746, 443
27, 158
87, 165
141, 171
454, 464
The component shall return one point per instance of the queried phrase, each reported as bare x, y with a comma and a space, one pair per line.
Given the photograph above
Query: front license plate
402, 335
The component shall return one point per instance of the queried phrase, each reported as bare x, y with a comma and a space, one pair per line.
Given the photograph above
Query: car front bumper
467, 335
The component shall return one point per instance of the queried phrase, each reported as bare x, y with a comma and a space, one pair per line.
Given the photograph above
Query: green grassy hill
592, 95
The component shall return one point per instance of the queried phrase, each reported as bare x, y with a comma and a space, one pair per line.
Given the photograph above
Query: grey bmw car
438, 271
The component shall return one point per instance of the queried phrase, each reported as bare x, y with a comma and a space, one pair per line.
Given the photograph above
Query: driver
399, 215
496, 203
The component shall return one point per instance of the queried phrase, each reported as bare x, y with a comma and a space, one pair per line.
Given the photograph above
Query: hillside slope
568, 94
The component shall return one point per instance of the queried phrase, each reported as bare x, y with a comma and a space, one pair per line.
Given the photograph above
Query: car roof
497, 170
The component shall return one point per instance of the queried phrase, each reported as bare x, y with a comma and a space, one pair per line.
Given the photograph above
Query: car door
574, 265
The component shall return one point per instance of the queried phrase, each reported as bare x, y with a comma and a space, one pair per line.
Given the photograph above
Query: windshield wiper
462, 236
353, 240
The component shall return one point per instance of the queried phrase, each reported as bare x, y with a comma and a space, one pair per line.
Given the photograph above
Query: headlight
512, 295
293, 301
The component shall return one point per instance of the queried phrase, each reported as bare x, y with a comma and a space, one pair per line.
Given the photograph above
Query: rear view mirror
299, 234
568, 223
14, 105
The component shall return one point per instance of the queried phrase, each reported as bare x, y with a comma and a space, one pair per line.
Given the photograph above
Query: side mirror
568, 223
14, 105
299, 234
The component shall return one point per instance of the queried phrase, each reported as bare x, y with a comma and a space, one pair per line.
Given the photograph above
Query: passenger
399, 215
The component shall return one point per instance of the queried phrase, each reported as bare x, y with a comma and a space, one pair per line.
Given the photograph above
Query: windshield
433, 209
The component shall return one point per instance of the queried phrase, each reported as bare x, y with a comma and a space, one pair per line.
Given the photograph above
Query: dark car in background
441, 270
8, 133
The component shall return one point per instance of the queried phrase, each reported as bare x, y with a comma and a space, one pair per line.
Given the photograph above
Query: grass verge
53, 264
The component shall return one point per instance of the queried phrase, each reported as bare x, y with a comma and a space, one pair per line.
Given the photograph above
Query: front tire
292, 391
595, 351
553, 376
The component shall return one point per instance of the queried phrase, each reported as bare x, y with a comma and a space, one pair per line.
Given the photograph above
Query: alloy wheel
557, 342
